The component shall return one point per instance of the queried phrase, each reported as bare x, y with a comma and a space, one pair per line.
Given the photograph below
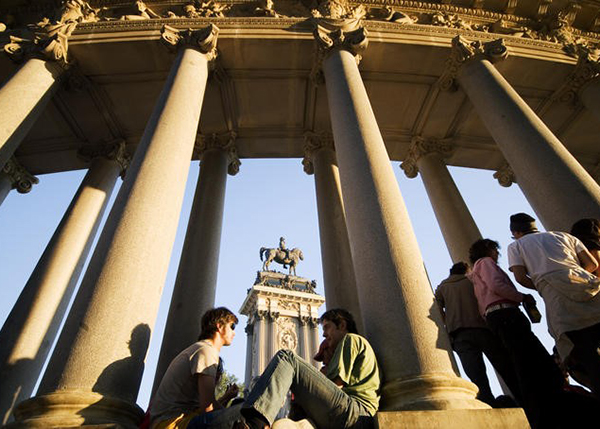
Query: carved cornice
20, 178
463, 51
420, 146
343, 36
204, 40
587, 68
114, 151
314, 142
261, 314
48, 39
225, 142
505, 176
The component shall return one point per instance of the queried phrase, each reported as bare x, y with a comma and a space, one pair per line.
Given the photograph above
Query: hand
232, 391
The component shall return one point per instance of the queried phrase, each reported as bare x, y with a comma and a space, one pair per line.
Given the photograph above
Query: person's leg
585, 354
465, 344
218, 419
324, 403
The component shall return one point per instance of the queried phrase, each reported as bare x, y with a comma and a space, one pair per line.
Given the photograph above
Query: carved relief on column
20, 178
115, 151
48, 39
587, 68
344, 35
464, 50
314, 142
420, 146
505, 175
225, 142
203, 40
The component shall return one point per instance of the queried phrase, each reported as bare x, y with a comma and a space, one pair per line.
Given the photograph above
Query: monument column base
430, 392
453, 419
75, 408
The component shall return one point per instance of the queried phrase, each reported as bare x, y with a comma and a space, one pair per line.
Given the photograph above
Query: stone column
314, 341
338, 272
95, 371
399, 313
196, 282
426, 156
14, 176
555, 184
31, 327
25, 95
304, 337
249, 346
260, 339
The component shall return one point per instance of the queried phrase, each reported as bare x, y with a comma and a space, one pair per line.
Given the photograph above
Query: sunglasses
233, 326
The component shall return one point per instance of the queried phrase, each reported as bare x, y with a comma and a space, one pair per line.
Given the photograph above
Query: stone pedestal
104, 341
278, 307
31, 327
508, 418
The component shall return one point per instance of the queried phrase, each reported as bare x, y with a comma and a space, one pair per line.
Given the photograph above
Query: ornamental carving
204, 40
288, 305
587, 68
314, 142
225, 142
20, 178
505, 176
422, 146
115, 151
464, 50
288, 340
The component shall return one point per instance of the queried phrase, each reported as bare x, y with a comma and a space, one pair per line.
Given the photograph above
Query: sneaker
290, 424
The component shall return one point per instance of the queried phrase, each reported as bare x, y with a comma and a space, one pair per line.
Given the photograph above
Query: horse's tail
262, 250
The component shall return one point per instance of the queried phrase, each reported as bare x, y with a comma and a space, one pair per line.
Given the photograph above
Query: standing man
186, 395
347, 396
559, 267
470, 336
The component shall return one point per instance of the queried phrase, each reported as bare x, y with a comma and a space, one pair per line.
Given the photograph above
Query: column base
453, 419
76, 408
430, 392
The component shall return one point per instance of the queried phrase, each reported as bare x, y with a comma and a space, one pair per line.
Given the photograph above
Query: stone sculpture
281, 255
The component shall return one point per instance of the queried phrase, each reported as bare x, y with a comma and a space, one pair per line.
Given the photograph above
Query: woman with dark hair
539, 378
588, 231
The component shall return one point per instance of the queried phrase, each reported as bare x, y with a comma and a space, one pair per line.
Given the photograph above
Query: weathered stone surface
508, 418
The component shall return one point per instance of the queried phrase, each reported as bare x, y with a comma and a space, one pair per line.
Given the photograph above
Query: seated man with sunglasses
186, 395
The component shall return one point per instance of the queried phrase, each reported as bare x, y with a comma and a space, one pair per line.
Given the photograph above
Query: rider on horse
284, 249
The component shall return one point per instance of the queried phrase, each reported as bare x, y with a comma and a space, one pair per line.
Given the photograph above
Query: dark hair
336, 315
522, 222
459, 268
212, 319
588, 231
482, 248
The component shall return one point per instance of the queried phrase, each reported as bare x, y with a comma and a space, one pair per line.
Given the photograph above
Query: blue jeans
218, 419
322, 401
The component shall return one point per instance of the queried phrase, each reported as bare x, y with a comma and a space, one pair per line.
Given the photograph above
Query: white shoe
290, 424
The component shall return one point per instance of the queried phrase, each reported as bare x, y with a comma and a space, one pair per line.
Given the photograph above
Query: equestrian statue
281, 255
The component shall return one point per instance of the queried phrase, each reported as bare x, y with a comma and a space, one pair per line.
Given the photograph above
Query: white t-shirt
178, 390
545, 252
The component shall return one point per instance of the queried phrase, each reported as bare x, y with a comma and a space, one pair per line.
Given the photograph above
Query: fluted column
31, 327
338, 272
249, 346
14, 176
555, 184
426, 156
25, 95
399, 313
95, 371
196, 282
260, 341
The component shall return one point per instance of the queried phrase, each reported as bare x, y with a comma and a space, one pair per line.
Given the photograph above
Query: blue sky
266, 200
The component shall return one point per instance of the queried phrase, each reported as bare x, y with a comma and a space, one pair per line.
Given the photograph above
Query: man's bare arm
206, 393
588, 262
521, 276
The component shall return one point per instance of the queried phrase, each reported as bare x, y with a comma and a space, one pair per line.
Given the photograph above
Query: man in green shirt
347, 396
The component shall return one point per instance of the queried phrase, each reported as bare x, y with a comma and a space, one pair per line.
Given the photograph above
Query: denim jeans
322, 401
218, 419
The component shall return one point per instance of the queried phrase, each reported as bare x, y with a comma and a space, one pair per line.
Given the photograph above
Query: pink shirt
492, 285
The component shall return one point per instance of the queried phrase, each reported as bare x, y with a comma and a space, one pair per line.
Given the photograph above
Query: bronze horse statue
279, 256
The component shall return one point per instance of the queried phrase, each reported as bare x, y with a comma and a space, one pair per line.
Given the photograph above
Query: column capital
20, 178
420, 146
463, 51
225, 142
314, 142
505, 175
48, 38
586, 69
346, 36
114, 151
204, 40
